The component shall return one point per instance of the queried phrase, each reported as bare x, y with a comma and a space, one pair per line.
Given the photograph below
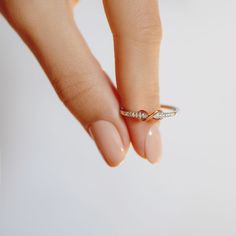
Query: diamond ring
164, 112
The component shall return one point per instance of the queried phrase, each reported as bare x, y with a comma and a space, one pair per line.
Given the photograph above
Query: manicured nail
108, 141
153, 144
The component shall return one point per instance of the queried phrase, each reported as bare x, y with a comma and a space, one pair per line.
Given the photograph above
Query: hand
49, 29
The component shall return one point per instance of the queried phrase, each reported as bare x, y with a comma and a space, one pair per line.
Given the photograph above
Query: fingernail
108, 141
153, 144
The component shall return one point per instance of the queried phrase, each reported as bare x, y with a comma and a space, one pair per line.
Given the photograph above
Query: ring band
157, 115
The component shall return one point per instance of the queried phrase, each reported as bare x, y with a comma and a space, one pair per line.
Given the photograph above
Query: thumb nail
108, 141
153, 144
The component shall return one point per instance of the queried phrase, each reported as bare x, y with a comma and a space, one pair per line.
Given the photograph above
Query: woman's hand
49, 29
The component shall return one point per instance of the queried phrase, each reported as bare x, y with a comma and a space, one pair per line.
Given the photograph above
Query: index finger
136, 29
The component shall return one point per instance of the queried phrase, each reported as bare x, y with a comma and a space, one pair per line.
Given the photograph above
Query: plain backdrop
55, 183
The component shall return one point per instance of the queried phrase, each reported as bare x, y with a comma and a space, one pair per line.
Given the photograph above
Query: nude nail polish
153, 147
108, 141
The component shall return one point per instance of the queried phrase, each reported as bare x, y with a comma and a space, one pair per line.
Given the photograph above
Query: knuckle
74, 88
150, 32
147, 30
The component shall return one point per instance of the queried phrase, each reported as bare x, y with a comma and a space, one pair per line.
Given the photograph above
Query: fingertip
109, 142
153, 147
146, 139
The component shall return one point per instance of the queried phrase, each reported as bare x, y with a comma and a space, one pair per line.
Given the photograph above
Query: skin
49, 30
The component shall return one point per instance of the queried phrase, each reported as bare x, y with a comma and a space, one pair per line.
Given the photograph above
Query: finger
78, 79
136, 30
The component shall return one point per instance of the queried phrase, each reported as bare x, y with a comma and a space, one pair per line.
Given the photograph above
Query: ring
164, 112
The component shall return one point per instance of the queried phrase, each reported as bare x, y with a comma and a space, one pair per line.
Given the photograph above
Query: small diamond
139, 116
159, 115
142, 115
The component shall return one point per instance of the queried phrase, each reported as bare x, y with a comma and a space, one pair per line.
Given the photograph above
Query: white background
53, 180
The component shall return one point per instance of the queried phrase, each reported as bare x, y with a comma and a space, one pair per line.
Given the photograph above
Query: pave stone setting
145, 116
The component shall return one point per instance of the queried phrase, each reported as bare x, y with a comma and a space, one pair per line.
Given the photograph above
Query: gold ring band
164, 112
